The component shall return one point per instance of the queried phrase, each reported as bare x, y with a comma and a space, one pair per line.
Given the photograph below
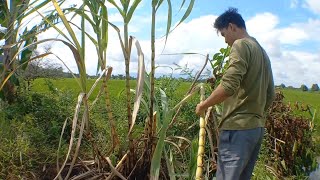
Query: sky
289, 30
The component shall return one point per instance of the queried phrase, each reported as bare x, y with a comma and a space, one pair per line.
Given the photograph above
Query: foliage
303, 102
219, 64
47, 111
290, 144
314, 87
169, 85
30, 130
304, 87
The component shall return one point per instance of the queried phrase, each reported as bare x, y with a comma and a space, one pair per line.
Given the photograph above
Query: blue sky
288, 30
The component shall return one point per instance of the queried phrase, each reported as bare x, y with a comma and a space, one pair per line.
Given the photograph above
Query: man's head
231, 25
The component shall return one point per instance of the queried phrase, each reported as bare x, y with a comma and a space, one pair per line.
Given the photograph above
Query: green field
291, 95
117, 87
312, 99
305, 98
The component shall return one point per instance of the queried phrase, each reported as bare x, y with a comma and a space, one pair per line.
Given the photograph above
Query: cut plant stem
202, 134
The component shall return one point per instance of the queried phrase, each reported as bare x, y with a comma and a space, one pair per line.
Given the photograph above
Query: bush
315, 87
290, 148
304, 88
30, 130
47, 112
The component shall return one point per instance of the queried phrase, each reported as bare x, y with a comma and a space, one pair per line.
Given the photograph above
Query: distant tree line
45, 69
303, 87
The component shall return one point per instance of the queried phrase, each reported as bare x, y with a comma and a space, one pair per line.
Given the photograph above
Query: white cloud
262, 23
311, 27
292, 35
313, 5
296, 68
264, 28
198, 35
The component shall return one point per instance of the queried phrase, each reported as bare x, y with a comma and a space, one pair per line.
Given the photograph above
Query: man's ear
232, 26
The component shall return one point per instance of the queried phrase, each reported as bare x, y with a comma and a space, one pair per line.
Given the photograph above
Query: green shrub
291, 148
30, 130
304, 87
315, 87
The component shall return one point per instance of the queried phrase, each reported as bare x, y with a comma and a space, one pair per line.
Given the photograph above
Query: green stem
127, 63
152, 63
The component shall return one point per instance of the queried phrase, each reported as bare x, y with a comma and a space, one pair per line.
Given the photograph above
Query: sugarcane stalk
202, 134
152, 66
127, 47
115, 139
150, 123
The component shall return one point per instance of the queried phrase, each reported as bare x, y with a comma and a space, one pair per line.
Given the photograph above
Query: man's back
249, 81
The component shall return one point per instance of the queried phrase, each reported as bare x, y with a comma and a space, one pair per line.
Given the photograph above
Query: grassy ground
304, 98
116, 87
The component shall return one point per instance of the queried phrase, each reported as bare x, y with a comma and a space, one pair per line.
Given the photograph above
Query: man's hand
216, 97
199, 109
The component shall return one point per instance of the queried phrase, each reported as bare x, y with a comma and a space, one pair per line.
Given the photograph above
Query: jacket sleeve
238, 66
270, 91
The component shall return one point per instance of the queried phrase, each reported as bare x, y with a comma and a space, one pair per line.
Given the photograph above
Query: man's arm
216, 97
270, 92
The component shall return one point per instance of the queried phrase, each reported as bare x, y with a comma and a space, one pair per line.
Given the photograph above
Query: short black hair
229, 16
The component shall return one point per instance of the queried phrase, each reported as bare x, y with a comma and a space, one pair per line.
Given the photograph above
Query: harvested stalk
202, 134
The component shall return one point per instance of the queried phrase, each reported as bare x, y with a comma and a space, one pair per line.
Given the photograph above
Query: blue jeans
237, 153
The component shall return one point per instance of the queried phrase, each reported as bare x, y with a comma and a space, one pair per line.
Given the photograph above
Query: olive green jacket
249, 82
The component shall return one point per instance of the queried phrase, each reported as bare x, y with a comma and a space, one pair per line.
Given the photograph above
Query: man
246, 90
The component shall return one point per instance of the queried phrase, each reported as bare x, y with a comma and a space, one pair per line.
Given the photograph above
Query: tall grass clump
29, 131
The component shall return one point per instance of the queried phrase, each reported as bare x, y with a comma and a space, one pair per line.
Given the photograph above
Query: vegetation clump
304, 87
315, 87
289, 140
